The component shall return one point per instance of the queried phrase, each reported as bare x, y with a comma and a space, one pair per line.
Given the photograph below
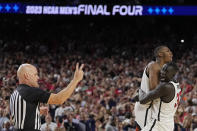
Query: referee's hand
44, 110
78, 76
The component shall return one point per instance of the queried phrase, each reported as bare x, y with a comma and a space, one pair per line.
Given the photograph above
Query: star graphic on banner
150, 10
7, 7
157, 10
164, 10
1, 7
170, 10
15, 8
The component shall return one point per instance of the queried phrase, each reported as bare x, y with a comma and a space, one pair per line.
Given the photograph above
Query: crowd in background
114, 58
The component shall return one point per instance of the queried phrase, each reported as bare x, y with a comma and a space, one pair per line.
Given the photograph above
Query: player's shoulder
165, 88
153, 63
168, 85
153, 66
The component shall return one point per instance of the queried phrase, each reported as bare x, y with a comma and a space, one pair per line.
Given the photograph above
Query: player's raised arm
63, 95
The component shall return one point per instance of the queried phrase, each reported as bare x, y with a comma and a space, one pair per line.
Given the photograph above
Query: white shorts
155, 125
142, 114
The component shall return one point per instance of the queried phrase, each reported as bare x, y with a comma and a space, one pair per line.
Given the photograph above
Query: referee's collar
23, 85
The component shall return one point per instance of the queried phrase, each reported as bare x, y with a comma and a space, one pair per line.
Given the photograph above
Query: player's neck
160, 62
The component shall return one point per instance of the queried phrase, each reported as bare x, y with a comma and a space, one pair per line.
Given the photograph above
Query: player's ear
160, 54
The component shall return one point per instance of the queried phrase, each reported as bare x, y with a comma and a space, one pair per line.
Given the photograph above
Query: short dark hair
173, 65
158, 49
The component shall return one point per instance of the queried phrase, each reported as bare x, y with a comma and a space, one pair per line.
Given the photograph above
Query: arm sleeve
36, 95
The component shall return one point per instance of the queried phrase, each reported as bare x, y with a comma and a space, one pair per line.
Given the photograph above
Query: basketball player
168, 91
150, 80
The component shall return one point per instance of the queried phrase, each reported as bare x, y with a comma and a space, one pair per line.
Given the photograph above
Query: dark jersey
24, 107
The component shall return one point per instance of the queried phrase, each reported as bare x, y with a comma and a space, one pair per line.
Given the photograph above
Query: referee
25, 100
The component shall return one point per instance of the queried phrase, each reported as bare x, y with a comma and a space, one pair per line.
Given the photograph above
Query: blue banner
101, 10
170, 10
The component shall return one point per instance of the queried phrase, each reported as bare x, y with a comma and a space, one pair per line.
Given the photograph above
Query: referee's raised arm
25, 100
63, 95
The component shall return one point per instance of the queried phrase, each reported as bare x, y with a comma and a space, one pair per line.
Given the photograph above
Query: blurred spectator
70, 125
111, 124
194, 122
49, 125
7, 126
60, 124
3, 118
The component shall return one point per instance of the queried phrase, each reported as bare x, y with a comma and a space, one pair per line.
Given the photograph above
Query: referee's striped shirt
24, 107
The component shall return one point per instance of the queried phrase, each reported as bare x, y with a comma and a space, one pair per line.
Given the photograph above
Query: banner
97, 10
